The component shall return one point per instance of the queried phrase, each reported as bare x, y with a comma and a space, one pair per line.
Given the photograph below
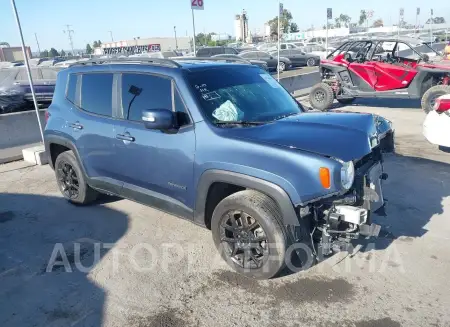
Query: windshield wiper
240, 122
287, 115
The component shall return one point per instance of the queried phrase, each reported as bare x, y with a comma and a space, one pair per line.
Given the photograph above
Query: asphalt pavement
153, 269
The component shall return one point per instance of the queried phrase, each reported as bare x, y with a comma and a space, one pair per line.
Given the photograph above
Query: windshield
238, 93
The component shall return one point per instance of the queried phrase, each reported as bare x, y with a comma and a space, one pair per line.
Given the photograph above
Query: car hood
345, 136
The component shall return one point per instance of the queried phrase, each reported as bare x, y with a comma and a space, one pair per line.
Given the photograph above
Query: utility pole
110, 33
39, 48
69, 33
176, 40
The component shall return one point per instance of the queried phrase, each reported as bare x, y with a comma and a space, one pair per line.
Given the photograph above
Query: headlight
347, 174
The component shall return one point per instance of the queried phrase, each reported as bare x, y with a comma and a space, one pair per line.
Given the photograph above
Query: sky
93, 19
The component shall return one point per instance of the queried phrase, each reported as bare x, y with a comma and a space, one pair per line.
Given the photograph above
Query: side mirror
271, 57
426, 58
161, 119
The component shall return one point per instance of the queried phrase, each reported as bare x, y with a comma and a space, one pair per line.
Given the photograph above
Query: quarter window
96, 93
72, 88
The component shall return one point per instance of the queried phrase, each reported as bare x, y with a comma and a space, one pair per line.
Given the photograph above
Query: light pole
39, 48
280, 11
110, 33
176, 40
27, 65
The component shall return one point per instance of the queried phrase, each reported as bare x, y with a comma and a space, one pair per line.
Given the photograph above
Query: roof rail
143, 60
236, 60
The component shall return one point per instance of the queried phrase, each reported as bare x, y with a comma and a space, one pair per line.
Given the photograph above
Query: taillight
47, 116
442, 105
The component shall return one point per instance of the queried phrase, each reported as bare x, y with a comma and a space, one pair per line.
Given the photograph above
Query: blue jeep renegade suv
225, 146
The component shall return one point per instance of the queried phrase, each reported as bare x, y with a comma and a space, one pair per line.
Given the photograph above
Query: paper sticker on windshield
210, 96
269, 79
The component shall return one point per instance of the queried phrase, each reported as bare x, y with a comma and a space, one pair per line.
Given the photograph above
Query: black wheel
71, 180
430, 96
346, 101
281, 67
247, 232
311, 62
321, 96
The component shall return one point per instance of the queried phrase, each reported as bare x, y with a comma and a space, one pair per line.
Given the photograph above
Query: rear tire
71, 180
321, 97
430, 96
346, 101
259, 211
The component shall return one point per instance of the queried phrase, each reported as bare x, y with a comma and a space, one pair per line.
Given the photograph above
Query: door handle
76, 125
124, 137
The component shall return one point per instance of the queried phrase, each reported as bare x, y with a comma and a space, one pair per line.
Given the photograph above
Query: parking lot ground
153, 269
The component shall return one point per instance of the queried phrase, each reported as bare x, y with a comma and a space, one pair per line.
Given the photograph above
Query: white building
241, 27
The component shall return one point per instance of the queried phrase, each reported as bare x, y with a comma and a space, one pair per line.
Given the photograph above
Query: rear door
93, 129
395, 67
156, 167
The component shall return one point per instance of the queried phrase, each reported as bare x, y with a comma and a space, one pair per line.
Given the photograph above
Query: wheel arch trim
274, 191
57, 139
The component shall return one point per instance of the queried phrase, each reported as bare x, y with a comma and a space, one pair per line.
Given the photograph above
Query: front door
363, 75
157, 167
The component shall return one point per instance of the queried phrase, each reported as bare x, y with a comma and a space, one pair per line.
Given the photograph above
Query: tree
53, 53
62, 53
44, 54
95, 44
378, 23
285, 20
362, 17
436, 20
294, 28
89, 48
345, 20
337, 22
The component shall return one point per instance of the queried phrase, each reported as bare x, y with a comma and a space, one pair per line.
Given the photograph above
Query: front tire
247, 231
321, 97
71, 180
430, 96
281, 67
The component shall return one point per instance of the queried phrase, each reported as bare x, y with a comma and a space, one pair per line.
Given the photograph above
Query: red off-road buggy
382, 68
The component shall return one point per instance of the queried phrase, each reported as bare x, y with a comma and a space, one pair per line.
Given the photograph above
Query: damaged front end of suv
338, 219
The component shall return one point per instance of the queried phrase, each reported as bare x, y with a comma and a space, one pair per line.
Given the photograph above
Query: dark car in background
212, 51
271, 61
15, 90
260, 63
298, 57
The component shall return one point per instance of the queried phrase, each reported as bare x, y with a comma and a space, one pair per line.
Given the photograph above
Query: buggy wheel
321, 97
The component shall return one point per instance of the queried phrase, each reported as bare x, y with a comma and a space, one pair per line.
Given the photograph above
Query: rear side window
72, 88
230, 51
216, 51
144, 92
203, 52
96, 93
